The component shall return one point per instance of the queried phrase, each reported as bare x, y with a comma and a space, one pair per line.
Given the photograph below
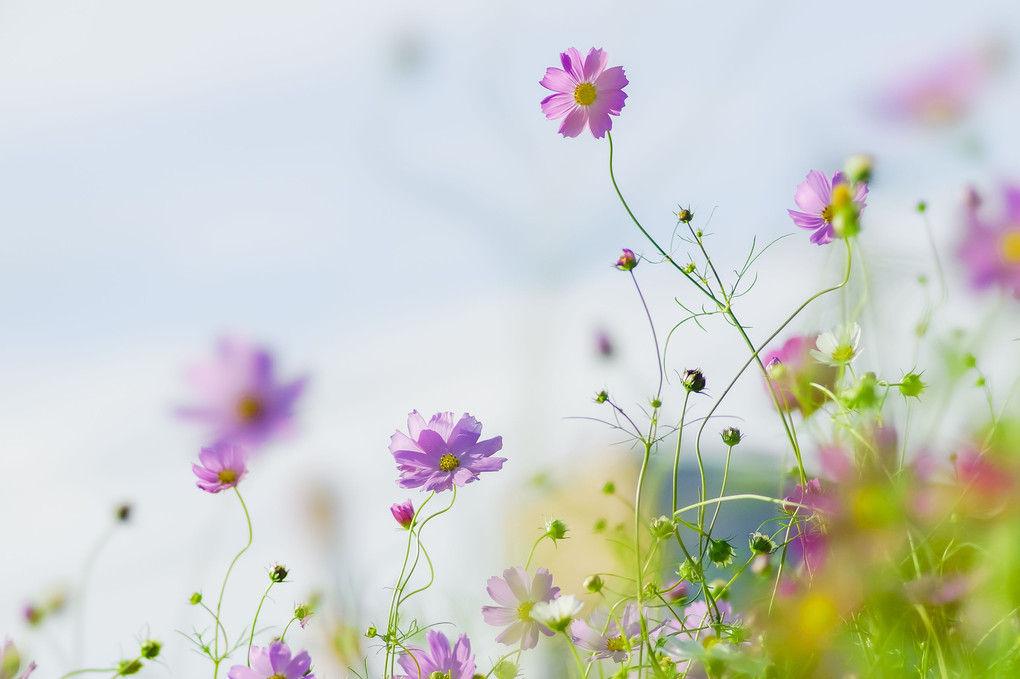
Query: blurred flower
791, 372
821, 199
440, 454
587, 93
809, 541
558, 613
403, 512
456, 664
273, 662
242, 400
615, 641
223, 466
517, 596
991, 248
939, 93
838, 347
10, 662
627, 260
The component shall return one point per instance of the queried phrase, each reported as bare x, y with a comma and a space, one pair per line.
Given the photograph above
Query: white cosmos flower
838, 347
558, 613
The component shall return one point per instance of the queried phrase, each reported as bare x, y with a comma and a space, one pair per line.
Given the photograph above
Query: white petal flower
558, 613
838, 347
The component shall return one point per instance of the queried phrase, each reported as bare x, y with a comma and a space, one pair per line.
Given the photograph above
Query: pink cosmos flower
815, 198
223, 466
615, 641
457, 663
587, 93
516, 596
273, 662
791, 372
991, 247
939, 93
440, 454
243, 402
809, 543
403, 512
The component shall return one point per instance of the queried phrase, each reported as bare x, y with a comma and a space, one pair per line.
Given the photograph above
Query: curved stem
223, 588
251, 638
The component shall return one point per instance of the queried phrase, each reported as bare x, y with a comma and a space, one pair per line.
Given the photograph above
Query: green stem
676, 456
223, 588
251, 638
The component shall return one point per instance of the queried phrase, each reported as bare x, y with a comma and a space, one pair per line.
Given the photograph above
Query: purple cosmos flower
223, 466
456, 664
627, 260
516, 596
403, 512
809, 543
617, 639
587, 93
991, 249
940, 92
791, 372
440, 454
10, 661
815, 197
273, 663
242, 400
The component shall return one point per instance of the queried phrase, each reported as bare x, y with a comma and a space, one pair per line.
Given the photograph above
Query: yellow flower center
227, 476
524, 610
278, 676
827, 213
843, 353
249, 408
448, 462
617, 644
1009, 246
585, 93
840, 198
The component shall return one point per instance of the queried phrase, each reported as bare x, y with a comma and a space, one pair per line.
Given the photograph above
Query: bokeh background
371, 191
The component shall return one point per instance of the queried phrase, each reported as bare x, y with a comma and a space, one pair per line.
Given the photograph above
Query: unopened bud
151, 649
684, 215
693, 380
602, 396
731, 436
556, 529
859, 167
761, 543
627, 260
278, 573
594, 583
911, 385
195, 599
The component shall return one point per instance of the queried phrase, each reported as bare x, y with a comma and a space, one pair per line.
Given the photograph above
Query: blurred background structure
371, 191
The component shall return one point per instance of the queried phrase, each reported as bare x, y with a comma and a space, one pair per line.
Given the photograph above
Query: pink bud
403, 512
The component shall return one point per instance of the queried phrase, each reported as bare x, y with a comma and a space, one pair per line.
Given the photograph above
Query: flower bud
371, 632
602, 396
656, 403
195, 599
689, 268
911, 385
609, 488
663, 527
556, 529
123, 512
126, 667
505, 669
403, 512
627, 260
690, 570
675, 591
594, 583
859, 167
685, 216
731, 436
278, 573
720, 552
761, 543
693, 380
151, 649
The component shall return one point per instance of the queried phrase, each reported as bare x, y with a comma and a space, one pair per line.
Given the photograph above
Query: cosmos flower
242, 400
991, 247
457, 663
438, 455
558, 613
517, 596
615, 642
403, 513
273, 662
838, 347
820, 198
586, 92
940, 92
791, 372
223, 466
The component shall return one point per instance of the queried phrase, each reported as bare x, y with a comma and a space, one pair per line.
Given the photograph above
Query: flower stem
223, 588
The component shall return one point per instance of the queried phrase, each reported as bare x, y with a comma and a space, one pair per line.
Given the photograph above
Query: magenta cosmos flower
457, 663
791, 372
440, 454
516, 596
586, 92
223, 466
403, 513
273, 662
815, 198
991, 247
242, 400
